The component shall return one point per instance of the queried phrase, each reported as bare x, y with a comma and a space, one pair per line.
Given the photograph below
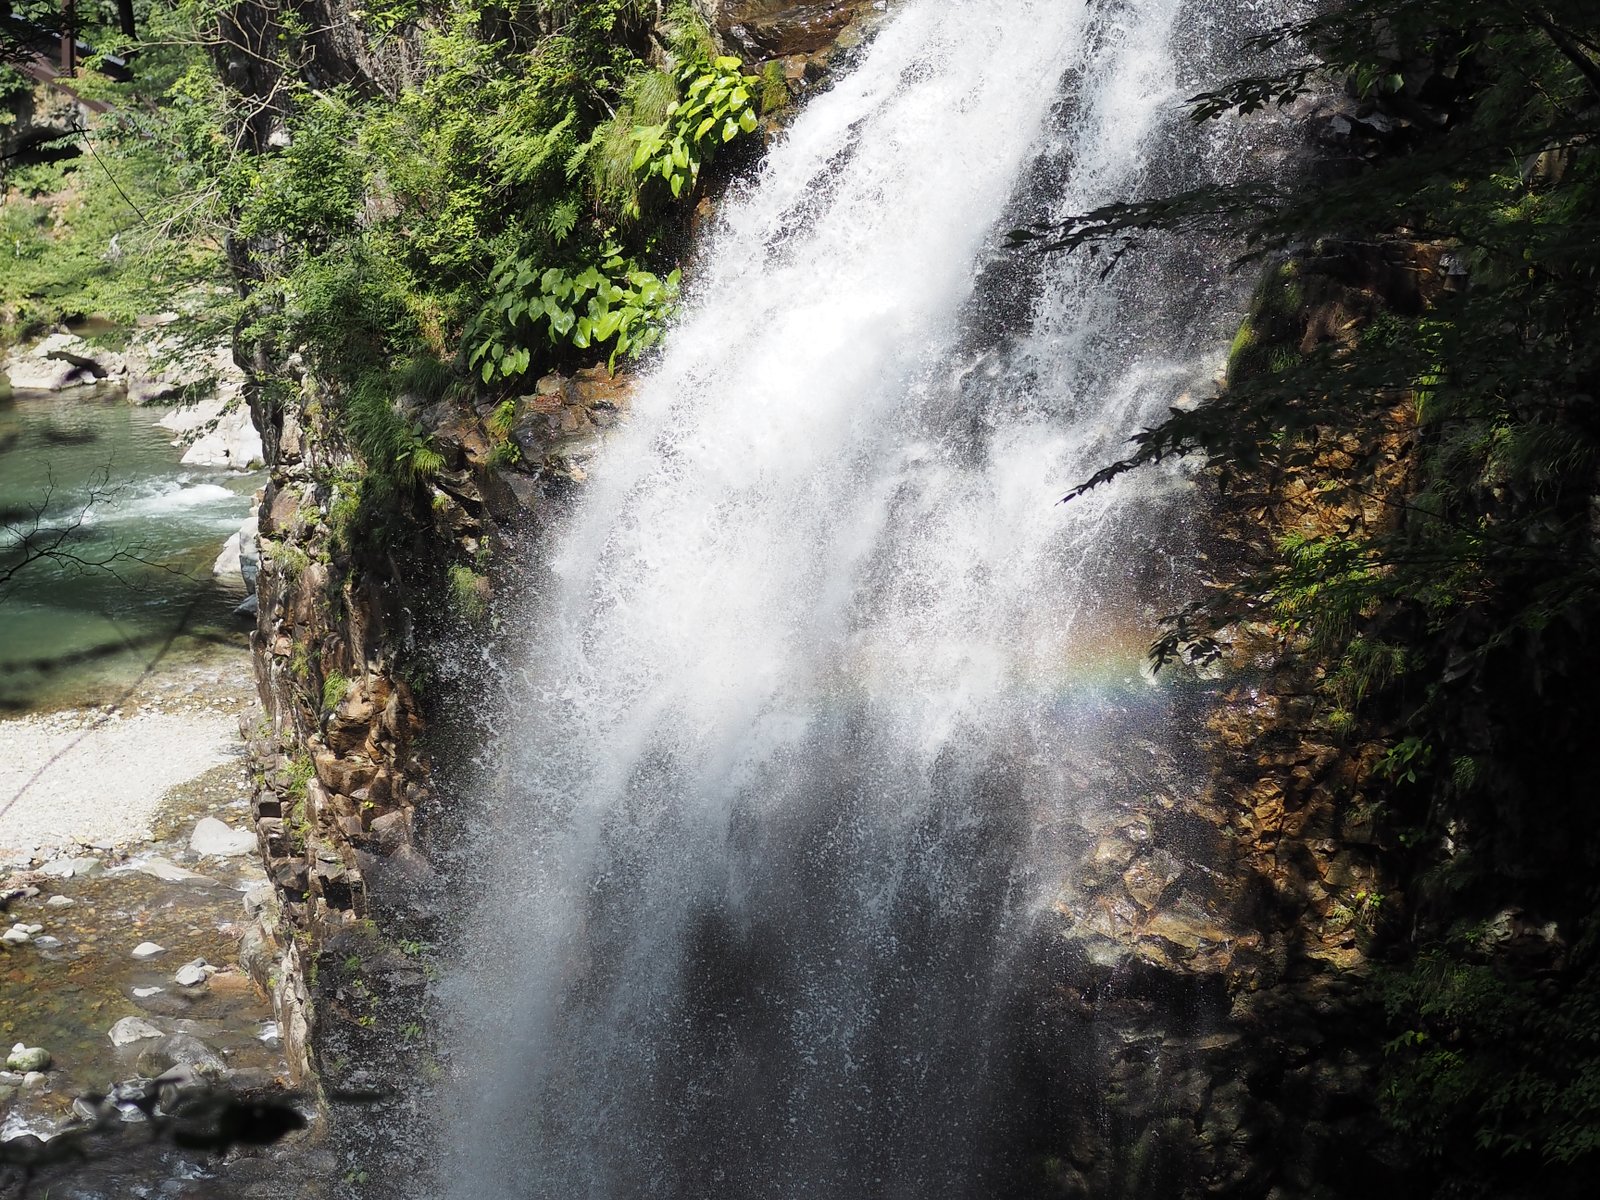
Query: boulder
181, 1050
28, 1059
62, 360
133, 1029
68, 868
228, 561
212, 836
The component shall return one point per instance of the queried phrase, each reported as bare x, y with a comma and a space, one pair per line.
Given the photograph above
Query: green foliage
334, 689
1486, 1061
718, 106
301, 771
76, 239
613, 303
311, 192
774, 88
391, 446
344, 514
1407, 760
469, 595
291, 561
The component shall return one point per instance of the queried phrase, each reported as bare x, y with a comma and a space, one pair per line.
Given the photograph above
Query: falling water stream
807, 664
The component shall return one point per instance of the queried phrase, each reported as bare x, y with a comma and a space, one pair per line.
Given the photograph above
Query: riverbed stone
133, 1029
60, 902
148, 950
69, 868
181, 1050
26, 1059
170, 872
192, 974
212, 836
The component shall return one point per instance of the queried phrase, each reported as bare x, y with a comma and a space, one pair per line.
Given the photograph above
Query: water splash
810, 666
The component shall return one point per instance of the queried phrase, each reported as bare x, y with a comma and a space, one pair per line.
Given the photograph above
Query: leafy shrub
614, 303
717, 107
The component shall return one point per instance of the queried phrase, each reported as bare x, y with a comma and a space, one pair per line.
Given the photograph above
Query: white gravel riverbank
92, 777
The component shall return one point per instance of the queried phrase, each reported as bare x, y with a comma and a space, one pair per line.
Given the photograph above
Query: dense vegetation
506, 204
1424, 349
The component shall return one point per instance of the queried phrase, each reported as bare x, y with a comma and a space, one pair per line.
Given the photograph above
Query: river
71, 634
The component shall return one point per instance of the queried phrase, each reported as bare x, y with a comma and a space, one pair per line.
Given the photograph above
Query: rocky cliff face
1213, 963
782, 28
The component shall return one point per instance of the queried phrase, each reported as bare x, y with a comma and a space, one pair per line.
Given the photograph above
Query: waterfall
818, 673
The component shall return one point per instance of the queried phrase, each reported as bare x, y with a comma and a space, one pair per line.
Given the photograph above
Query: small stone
148, 950
192, 974
33, 1079
31, 929
133, 1029
15, 936
46, 942
60, 902
212, 836
28, 1059
145, 993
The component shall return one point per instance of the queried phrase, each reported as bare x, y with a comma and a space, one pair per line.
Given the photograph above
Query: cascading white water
817, 660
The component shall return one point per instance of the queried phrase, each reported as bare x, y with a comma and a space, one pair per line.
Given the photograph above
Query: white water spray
819, 657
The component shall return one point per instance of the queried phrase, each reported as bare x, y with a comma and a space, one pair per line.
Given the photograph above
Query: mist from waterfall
816, 668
